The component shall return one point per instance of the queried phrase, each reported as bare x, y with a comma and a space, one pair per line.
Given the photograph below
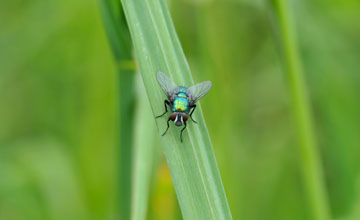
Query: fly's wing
167, 85
197, 91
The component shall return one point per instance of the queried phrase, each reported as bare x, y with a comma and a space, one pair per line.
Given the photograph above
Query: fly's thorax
178, 118
181, 104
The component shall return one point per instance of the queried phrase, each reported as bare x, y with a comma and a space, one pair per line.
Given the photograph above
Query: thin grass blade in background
311, 164
146, 154
192, 163
120, 42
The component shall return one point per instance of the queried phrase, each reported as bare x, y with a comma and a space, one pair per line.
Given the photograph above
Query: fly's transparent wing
166, 84
197, 91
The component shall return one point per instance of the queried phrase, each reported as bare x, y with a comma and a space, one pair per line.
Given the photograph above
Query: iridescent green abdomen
181, 103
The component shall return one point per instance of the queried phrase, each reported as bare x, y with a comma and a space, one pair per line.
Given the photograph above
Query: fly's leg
167, 126
192, 111
166, 102
182, 131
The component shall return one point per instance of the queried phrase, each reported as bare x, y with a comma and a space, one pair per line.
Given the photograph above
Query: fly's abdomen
180, 105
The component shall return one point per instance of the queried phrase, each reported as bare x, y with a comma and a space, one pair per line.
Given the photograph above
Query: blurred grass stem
310, 159
120, 41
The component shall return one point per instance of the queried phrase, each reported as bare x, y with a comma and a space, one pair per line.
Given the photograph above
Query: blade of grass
312, 172
355, 211
120, 41
192, 164
146, 154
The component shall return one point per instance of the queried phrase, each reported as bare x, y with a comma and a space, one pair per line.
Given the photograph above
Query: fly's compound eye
185, 117
173, 116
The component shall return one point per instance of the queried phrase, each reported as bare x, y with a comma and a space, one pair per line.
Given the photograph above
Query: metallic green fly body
181, 100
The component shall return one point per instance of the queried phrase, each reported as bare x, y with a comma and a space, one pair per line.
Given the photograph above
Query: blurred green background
58, 108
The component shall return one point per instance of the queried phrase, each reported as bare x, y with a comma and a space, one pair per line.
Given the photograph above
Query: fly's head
178, 118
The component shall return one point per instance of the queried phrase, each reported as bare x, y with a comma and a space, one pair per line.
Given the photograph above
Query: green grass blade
145, 157
310, 160
192, 163
120, 41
